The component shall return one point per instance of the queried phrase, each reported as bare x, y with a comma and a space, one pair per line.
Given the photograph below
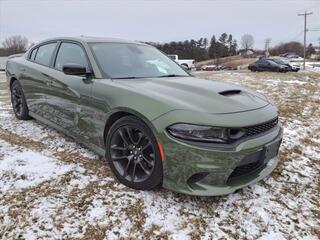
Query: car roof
88, 39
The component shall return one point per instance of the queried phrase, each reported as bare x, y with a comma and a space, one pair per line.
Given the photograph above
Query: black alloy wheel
18, 101
133, 154
254, 69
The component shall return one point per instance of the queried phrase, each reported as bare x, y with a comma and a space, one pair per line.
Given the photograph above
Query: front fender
132, 112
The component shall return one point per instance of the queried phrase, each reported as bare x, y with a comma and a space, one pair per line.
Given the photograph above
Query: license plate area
271, 150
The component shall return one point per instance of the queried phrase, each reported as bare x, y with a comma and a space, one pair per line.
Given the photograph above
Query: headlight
205, 133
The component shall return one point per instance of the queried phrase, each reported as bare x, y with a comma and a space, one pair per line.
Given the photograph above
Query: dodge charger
155, 124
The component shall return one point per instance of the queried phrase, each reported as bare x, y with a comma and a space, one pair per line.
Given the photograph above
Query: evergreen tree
200, 49
205, 42
223, 49
310, 50
213, 47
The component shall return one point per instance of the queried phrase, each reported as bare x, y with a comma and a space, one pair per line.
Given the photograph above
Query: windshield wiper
126, 78
162, 76
172, 75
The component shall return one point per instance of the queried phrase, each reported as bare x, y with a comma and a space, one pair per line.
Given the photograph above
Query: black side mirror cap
75, 69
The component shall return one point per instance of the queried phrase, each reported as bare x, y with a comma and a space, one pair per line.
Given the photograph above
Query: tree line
201, 49
13, 45
223, 46
292, 47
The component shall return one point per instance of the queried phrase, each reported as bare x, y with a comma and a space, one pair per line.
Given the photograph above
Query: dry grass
86, 202
232, 61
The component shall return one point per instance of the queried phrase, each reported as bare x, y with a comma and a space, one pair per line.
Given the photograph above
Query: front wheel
254, 69
133, 154
19, 103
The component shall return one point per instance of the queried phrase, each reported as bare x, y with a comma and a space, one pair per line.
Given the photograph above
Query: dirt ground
51, 187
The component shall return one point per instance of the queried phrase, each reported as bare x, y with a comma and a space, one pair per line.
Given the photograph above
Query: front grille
257, 129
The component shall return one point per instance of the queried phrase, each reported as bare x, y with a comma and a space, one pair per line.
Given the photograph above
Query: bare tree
247, 41
15, 44
289, 47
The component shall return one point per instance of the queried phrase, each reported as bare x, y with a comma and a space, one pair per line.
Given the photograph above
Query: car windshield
271, 62
278, 61
129, 60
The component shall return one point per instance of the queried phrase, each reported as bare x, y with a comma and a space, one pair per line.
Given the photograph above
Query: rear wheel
19, 103
185, 66
253, 69
133, 154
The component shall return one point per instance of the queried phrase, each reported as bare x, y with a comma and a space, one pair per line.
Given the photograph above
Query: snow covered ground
51, 187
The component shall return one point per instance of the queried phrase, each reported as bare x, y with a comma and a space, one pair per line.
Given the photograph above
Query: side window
44, 53
70, 53
33, 54
263, 63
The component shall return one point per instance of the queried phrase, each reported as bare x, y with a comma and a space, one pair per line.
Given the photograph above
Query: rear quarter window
45, 53
33, 54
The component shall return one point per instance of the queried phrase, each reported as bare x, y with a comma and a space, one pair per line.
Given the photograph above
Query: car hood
199, 95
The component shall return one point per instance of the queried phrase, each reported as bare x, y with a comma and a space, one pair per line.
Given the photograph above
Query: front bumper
205, 171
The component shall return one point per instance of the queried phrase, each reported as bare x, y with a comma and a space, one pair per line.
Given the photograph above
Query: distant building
246, 52
316, 55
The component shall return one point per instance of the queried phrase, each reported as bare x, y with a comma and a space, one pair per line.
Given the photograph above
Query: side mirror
74, 69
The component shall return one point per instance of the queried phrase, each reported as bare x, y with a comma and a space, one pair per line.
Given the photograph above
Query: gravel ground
51, 187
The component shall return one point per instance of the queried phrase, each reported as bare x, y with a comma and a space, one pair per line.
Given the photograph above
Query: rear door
36, 80
69, 94
263, 65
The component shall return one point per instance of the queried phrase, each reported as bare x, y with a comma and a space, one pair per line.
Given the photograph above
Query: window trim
36, 51
73, 42
40, 45
55, 52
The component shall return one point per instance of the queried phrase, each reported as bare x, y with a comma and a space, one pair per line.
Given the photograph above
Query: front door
69, 94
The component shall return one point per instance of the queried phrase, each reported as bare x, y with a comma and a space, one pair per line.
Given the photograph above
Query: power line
305, 14
314, 29
298, 35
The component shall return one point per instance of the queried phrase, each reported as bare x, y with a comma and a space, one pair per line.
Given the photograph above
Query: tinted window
33, 54
278, 61
126, 60
270, 62
263, 62
70, 53
44, 53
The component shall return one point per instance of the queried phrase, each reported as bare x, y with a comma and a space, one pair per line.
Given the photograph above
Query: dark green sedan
155, 123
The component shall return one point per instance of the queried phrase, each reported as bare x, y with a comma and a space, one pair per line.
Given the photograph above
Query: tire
186, 66
18, 101
133, 154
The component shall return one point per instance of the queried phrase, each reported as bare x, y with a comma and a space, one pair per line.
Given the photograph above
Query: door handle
49, 83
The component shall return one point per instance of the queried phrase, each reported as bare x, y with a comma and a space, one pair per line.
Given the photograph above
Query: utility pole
305, 14
267, 43
318, 53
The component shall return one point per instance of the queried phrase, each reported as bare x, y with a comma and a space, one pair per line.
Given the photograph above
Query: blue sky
160, 21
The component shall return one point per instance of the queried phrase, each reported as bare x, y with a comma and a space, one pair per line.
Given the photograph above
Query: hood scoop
230, 92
